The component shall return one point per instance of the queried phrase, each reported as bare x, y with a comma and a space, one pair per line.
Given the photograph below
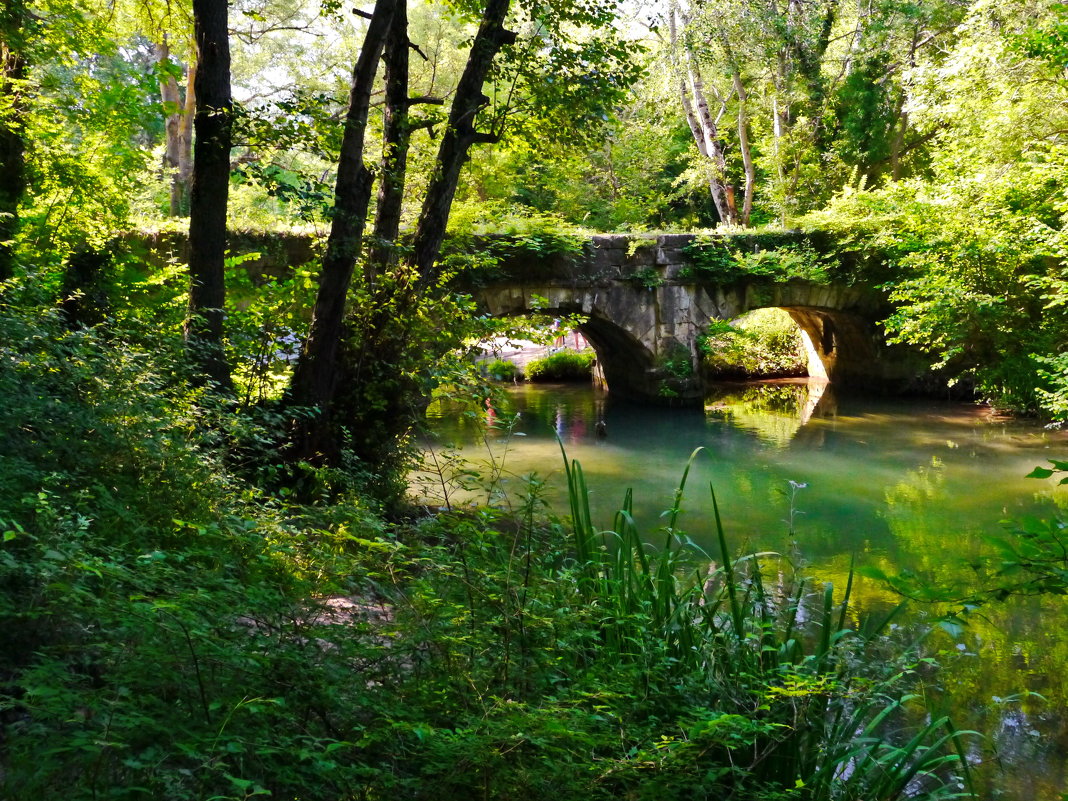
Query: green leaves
1045, 472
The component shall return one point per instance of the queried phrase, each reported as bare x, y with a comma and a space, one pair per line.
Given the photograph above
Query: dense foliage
172, 632
210, 587
765, 343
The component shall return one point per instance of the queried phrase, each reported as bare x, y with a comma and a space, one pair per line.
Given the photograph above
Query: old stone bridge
646, 301
645, 305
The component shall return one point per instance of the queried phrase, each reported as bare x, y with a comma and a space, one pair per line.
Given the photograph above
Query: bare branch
418, 50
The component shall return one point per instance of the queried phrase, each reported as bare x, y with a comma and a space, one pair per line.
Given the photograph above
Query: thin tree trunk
12, 145
396, 139
702, 126
744, 146
313, 379
374, 397
209, 193
714, 188
173, 105
897, 143
184, 146
178, 145
458, 138
714, 148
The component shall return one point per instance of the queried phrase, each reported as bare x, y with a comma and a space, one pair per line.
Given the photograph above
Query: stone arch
644, 333
839, 344
624, 360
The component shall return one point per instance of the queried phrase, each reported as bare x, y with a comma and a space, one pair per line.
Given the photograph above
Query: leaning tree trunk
458, 138
380, 377
376, 389
12, 146
314, 378
209, 194
384, 393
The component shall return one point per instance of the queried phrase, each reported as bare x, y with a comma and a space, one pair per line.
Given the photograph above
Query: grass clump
564, 365
779, 708
502, 370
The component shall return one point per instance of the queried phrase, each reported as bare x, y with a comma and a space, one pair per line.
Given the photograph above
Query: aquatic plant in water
795, 699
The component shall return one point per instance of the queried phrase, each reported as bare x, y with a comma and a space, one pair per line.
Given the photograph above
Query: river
894, 484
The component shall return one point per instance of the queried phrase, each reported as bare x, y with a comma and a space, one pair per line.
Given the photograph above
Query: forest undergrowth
173, 632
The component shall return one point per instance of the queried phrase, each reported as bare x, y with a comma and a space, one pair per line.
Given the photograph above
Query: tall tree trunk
459, 136
12, 146
714, 148
744, 146
314, 377
376, 394
209, 193
702, 125
897, 142
384, 387
396, 140
180, 189
178, 138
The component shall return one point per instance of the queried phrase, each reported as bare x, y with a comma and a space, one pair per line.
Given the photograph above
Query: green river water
895, 484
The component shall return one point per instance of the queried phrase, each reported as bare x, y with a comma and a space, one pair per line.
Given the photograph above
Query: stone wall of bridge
645, 304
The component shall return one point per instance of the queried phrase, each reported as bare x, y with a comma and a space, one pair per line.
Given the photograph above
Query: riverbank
896, 485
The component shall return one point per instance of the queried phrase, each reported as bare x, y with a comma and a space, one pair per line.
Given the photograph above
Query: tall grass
831, 710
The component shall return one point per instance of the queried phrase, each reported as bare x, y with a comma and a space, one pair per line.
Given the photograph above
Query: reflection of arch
776, 412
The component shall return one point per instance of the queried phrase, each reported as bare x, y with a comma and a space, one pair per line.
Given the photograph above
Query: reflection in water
894, 485
773, 410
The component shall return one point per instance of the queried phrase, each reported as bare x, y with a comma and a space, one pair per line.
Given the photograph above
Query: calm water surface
899, 485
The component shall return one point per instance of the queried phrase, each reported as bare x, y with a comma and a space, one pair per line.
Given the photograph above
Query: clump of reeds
820, 711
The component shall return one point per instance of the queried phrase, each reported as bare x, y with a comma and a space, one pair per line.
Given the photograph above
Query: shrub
765, 343
502, 370
564, 365
779, 257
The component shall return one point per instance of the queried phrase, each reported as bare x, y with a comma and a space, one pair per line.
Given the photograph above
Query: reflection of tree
775, 412
1007, 679
1003, 656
